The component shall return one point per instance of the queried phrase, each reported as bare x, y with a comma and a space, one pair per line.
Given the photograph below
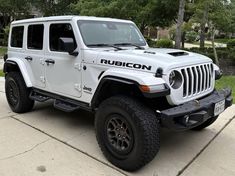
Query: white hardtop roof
67, 18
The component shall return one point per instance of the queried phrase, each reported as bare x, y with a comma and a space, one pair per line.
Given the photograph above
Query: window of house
35, 36
58, 31
17, 35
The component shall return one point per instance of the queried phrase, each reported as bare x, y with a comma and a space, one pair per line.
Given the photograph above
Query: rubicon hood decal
126, 64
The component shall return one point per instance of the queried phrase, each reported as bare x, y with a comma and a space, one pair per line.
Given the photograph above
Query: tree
179, 24
143, 12
217, 13
16, 9
53, 7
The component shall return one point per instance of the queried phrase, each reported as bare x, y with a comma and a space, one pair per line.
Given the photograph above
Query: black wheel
205, 124
17, 93
127, 132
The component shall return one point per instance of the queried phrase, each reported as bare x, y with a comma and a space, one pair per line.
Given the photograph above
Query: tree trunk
203, 26
213, 46
183, 39
142, 27
180, 21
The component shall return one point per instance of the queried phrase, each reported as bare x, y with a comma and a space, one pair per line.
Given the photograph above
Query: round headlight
175, 79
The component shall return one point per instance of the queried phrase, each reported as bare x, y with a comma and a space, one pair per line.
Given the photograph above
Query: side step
65, 106
38, 97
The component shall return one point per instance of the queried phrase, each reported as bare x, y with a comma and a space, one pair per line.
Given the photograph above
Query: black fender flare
104, 80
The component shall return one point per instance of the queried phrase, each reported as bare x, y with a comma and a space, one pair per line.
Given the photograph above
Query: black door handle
50, 61
28, 58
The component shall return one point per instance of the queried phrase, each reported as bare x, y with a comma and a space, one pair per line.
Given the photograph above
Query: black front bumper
194, 113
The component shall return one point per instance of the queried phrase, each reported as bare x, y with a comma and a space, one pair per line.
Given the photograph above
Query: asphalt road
49, 142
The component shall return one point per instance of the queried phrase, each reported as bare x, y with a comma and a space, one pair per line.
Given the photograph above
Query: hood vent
177, 54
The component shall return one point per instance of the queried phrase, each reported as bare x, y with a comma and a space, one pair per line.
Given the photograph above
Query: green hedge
231, 44
162, 43
223, 53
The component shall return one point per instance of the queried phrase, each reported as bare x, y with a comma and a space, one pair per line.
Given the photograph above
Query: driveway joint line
5, 117
22, 153
68, 145
205, 147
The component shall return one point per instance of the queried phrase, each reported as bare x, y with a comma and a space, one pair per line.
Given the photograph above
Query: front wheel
127, 132
17, 93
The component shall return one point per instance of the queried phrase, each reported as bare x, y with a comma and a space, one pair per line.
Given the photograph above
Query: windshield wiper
104, 45
129, 44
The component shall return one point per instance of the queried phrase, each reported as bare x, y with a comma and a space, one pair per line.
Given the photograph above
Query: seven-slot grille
197, 79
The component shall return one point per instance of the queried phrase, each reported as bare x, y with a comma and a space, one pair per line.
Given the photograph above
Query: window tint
17, 36
35, 37
56, 32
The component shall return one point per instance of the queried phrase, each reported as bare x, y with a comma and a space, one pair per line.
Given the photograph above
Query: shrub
223, 53
191, 36
150, 42
4, 36
164, 43
231, 44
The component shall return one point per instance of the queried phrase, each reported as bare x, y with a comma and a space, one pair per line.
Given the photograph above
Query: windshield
112, 33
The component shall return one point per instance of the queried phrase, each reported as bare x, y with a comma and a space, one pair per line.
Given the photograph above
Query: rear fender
17, 63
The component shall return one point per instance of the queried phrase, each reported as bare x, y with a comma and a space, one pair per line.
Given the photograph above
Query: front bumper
194, 113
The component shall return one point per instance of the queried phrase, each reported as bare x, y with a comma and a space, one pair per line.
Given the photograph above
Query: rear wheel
205, 124
17, 93
127, 132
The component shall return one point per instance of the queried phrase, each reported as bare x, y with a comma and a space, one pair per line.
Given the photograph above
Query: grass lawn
226, 81
1, 73
3, 50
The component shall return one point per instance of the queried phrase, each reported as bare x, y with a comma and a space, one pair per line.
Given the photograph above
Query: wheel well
111, 88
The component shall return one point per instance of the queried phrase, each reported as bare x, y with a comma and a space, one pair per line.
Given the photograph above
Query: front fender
22, 68
130, 78
142, 78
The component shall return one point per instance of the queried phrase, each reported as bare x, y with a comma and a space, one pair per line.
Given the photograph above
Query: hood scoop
179, 53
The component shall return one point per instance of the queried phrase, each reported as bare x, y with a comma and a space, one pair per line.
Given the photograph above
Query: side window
56, 32
17, 35
35, 36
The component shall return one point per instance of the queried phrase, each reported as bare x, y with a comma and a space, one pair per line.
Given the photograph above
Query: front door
63, 71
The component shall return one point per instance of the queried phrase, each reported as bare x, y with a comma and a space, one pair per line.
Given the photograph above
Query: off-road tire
145, 132
205, 124
17, 93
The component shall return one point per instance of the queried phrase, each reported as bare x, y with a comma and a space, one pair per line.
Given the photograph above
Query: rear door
63, 73
34, 53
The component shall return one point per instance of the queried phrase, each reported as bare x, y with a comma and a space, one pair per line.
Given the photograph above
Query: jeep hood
150, 57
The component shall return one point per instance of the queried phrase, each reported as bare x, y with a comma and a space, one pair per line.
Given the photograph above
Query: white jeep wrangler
105, 66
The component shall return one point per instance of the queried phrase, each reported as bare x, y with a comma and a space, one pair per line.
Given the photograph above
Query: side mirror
67, 44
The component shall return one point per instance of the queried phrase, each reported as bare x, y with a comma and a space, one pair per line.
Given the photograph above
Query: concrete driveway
49, 142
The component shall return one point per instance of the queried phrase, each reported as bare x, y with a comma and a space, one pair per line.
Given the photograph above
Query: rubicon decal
125, 64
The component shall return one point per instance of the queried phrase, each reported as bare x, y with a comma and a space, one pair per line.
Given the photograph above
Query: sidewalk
50, 142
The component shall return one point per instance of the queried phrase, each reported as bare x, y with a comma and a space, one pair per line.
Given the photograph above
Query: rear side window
17, 36
57, 31
35, 36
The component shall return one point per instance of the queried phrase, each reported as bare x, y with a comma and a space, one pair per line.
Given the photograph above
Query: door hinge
42, 78
78, 87
78, 66
42, 61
